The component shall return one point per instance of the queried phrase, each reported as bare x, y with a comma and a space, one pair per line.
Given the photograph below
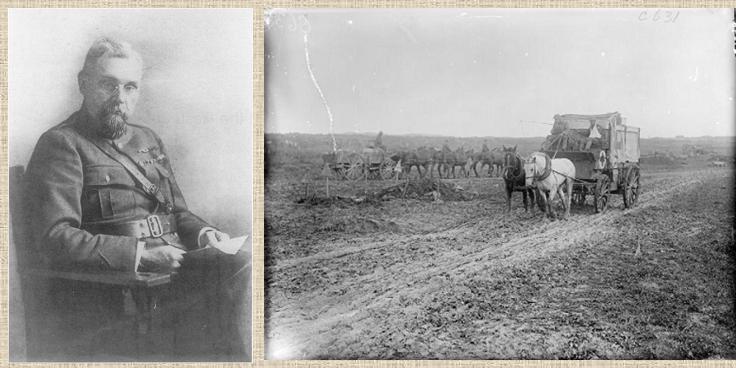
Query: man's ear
83, 82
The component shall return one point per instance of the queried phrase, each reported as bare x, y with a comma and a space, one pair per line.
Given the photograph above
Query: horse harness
547, 169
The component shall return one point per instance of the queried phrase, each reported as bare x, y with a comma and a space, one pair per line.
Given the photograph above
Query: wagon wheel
354, 167
387, 169
602, 194
631, 191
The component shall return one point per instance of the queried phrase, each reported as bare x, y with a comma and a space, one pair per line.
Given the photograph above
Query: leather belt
152, 226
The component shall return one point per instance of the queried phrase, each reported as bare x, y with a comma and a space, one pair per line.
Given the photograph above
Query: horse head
530, 168
529, 173
512, 164
509, 159
539, 165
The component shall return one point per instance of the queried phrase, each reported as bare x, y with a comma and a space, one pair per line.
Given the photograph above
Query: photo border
257, 312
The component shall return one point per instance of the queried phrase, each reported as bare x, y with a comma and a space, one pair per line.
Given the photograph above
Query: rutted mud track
408, 278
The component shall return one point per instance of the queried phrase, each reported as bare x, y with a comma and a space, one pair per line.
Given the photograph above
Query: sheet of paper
231, 246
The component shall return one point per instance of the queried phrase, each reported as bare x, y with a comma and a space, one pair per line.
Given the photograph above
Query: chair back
20, 244
25, 329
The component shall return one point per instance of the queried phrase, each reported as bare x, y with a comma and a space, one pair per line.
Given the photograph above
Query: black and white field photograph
130, 154
499, 184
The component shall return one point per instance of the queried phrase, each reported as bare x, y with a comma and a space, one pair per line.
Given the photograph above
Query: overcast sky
492, 72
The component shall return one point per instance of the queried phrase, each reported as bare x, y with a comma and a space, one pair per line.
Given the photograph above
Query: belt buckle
154, 224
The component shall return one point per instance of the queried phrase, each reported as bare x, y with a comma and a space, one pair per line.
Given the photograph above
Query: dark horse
450, 159
421, 157
515, 178
484, 157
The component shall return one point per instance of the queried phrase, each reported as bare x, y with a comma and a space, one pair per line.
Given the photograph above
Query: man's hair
107, 48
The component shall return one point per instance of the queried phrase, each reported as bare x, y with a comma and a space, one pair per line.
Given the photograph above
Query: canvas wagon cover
624, 147
582, 123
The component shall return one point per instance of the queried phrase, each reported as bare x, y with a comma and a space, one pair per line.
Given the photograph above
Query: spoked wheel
387, 169
631, 191
602, 194
354, 167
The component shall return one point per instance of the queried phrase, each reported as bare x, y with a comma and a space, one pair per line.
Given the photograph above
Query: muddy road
414, 278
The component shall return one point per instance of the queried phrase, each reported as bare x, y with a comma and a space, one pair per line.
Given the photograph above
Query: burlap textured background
258, 149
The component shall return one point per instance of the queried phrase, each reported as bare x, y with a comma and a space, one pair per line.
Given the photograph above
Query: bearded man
102, 196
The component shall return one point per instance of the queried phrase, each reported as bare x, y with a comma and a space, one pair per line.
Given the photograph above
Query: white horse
551, 177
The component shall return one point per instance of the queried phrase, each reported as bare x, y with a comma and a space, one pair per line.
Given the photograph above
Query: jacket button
107, 178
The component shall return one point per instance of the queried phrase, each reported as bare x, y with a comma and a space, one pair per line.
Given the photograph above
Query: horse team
445, 160
539, 178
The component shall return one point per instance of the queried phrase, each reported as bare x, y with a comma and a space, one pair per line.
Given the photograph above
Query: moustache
113, 108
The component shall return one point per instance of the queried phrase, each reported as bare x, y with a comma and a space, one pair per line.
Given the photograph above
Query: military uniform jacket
72, 186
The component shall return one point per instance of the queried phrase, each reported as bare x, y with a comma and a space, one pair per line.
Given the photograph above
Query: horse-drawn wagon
372, 162
605, 152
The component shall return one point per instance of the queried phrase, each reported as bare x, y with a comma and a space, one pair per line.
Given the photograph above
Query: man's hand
162, 258
213, 236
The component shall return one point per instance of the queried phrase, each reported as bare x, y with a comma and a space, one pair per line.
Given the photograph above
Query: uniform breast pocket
108, 193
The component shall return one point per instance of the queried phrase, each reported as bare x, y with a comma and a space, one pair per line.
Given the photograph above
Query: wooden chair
35, 281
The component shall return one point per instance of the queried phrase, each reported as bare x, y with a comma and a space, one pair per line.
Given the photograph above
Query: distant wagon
370, 163
605, 152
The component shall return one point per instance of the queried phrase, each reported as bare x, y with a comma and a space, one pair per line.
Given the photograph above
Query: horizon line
485, 136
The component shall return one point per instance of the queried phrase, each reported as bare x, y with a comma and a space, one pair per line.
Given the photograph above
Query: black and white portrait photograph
499, 184
130, 157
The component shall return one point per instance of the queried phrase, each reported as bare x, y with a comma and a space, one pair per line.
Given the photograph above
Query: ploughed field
418, 278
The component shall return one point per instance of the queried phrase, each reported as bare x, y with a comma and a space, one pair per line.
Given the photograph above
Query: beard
112, 122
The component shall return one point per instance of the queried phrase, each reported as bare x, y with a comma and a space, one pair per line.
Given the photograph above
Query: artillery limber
605, 152
370, 163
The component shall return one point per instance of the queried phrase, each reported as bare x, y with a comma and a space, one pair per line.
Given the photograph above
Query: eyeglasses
112, 86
